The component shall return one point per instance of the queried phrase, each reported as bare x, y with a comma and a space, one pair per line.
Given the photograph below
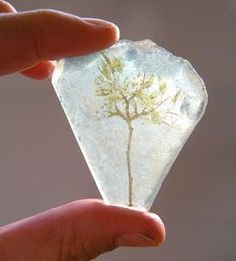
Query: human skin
83, 229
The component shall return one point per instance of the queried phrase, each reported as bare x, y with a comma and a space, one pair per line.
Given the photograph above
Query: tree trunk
130, 178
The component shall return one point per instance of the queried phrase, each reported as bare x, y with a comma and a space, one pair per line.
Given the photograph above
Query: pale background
41, 165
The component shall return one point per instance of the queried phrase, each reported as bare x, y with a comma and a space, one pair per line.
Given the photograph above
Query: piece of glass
131, 108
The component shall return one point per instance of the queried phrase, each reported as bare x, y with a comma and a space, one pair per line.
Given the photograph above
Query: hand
83, 229
80, 230
30, 39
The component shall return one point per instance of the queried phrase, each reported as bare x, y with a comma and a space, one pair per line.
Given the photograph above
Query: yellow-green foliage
131, 97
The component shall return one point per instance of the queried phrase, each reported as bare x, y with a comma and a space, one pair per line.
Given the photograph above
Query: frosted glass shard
131, 108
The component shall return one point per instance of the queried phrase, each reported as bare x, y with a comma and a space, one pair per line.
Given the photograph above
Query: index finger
29, 37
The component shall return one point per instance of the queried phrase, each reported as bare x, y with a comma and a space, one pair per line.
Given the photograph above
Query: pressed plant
140, 96
131, 107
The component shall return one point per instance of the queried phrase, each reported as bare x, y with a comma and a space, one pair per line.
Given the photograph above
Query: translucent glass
131, 107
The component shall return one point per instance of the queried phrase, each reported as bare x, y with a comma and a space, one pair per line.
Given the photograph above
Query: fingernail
135, 240
103, 23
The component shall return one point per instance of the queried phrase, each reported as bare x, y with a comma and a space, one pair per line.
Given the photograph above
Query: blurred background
41, 165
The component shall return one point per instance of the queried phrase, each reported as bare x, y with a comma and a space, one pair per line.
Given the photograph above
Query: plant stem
130, 179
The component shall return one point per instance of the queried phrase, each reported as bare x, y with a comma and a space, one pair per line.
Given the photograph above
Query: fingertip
78, 36
5, 7
156, 227
98, 35
42, 70
140, 228
136, 222
114, 29
114, 32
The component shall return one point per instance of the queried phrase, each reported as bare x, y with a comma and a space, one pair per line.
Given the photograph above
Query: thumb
101, 228
80, 230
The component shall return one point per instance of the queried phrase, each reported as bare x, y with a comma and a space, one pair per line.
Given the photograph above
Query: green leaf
117, 64
155, 117
148, 82
107, 59
162, 87
175, 97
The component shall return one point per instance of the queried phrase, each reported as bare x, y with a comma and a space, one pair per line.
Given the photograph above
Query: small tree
131, 98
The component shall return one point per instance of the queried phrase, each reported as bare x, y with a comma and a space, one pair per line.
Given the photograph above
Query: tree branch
139, 87
117, 113
142, 113
134, 115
